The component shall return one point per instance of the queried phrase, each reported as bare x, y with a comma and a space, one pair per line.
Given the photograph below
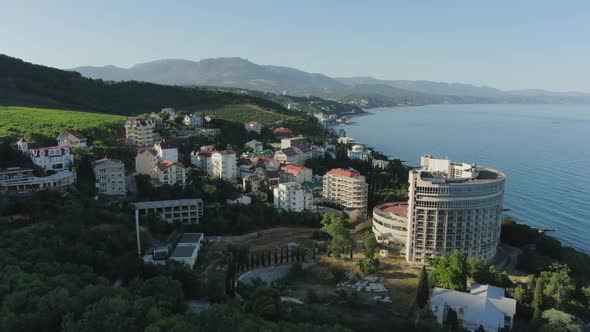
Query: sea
544, 150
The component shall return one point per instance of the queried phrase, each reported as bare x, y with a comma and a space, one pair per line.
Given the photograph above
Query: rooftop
191, 238
349, 173
397, 208
292, 169
165, 144
165, 164
104, 161
166, 203
74, 133
184, 251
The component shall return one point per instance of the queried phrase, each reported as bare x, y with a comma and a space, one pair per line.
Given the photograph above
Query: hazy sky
506, 44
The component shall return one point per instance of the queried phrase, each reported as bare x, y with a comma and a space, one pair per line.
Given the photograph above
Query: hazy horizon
505, 45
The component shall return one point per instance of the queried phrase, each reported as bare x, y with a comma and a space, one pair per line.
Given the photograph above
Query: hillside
26, 84
360, 91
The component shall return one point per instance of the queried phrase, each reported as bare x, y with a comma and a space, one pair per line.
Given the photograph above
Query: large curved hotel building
451, 206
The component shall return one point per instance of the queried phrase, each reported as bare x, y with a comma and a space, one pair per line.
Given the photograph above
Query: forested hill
26, 84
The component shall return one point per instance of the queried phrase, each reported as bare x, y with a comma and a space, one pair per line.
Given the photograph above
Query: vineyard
48, 123
241, 113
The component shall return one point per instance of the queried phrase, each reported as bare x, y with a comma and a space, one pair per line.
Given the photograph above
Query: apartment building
167, 150
224, 165
390, 223
110, 177
291, 196
453, 206
288, 156
346, 188
170, 173
292, 142
21, 181
140, 132
296, 173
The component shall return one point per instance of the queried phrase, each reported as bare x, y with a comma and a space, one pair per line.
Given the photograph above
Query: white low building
484, 305
238, 199
51, 158
254, 126
187, 249
192, 120
358, 152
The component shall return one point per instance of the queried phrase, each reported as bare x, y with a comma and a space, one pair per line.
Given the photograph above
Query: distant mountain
360, 91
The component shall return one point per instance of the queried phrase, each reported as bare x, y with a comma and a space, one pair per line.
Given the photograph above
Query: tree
423, 292
369, 244
265, 302
339, 233
480, 329
557, 285
450, 272
451, 320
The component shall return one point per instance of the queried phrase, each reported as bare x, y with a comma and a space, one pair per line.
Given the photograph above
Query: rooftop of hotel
397, 208
349, 173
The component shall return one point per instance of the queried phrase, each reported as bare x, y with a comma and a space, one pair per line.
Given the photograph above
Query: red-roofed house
347, 188
50, 158
296, 173
170, 172
282, 132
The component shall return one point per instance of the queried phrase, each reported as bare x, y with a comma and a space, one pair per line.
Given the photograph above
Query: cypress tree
423, 289
276, 258
452, 321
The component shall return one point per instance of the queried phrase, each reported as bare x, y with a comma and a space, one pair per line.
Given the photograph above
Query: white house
187, 249
169, 172
484, 305
288, 156
51, 158
224, 165
255, 145
358, 152
238, 199
192, 120
110, 176
254, 126
167, 150
291, 196
72, 138
202, 159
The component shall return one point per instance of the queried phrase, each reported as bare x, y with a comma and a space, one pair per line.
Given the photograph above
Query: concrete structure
187, 249
288, 156
72, 138
192, 120
293, 142
346, 188
51, 158
296, 173
110, 176
254, 126
484, 305
184, 211
224, 165
381, 164
346, 140
167, 150
16, 180
255, 145
390, 223
140, 132
170, 173
453, 206
291, 196
358, 152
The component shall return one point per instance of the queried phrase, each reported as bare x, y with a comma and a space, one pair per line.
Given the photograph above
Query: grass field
241, 113
42, 122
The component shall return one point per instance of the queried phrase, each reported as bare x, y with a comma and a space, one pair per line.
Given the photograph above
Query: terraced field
241, 113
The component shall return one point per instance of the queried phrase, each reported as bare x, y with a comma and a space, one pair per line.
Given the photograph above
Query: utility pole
137, 231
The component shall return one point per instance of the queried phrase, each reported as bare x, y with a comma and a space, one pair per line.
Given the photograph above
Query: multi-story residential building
381, 164
292, 142
51, 158
169, 172
202, 159
305, 152
72, 138
296, 173
291, 196
255, 145
254, 126
16, 180
145, 161
358, 152
192, 120
140, 132
110, 176
347, 188
184, 211
484, 306
453, 206
224, 165
390, 223
167, 150
288, 156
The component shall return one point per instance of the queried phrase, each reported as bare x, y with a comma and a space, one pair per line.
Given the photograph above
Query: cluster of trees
368, 264
340, 242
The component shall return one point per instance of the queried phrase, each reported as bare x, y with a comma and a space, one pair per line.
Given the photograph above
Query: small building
390, 223
224, 165
288, 156
170, 173
296, 173
171, 112
292, 142
72, 138
346, 140
255, 145
110, 176
184, 211
358, 152
381, 164
167, 150
187, 249
20, 181
254, 126
192, 120
305, 152
140, 132
484, 305
238, 199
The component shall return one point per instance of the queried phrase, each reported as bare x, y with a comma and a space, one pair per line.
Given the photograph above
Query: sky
505, 44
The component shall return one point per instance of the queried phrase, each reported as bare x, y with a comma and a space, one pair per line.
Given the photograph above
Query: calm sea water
543, 149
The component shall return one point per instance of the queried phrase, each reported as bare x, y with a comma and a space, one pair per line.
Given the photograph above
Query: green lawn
48, 123
241, 113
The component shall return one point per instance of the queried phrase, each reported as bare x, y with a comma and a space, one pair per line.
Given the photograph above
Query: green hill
26, 84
